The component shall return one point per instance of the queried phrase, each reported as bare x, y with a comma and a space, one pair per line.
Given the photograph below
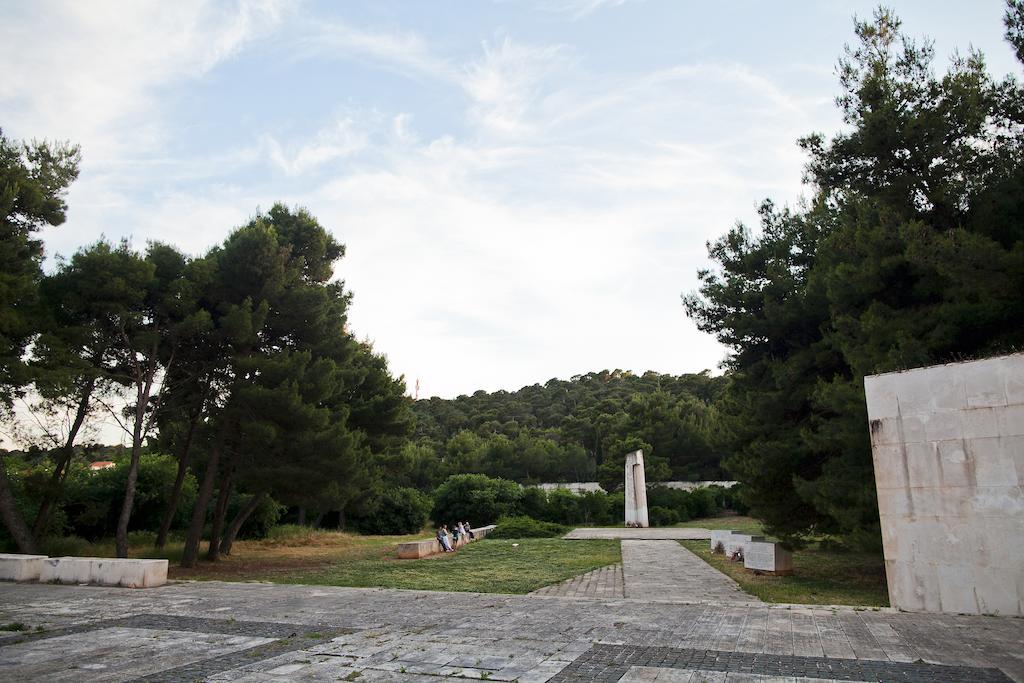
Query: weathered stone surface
402, 635
948, 449
636, 490
15, 567
104, 571
768, 557
739, 542
666, 571
719, 537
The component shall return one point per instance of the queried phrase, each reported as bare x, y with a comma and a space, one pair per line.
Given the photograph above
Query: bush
526, 527
394, 511
475, 498
702, 503
563, 507
261, 521
659, 516
93, 500
534, 503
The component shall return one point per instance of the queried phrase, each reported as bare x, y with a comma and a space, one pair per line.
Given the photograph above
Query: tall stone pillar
636, 490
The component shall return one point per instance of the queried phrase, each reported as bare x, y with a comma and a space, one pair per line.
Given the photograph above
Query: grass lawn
820, 577
339, 559
738, 523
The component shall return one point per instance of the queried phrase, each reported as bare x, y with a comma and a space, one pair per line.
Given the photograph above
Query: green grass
740, 524
820, 577
487, 566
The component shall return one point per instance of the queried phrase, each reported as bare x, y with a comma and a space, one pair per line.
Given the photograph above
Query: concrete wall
948, 447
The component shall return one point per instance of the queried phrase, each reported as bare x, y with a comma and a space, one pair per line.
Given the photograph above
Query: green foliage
572, 430
395, 512
526, 527
911, 253
93, 499
660, 516
475, 498
261, 520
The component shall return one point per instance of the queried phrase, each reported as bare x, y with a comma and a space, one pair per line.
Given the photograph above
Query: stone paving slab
403, 636
648, 534
665, 570
605, 582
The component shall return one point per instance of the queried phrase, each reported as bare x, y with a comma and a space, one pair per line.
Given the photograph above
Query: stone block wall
948, 449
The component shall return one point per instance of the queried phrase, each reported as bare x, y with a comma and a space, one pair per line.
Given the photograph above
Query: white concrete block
1011, 420
768, 557
720, 537
944, 426
105, 571
880, 392
912, 429
16, 567
955, 468
956, 589
740, 542
993, 466
980, 423
984, 384
996, 592
636, 490
886, 431
923, 465
890, 466
1013, 380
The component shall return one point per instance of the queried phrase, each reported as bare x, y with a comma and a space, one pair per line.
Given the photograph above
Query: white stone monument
948, 446
636, 490
769, 558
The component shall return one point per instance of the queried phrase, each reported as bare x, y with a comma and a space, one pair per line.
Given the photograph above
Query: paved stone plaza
262, 632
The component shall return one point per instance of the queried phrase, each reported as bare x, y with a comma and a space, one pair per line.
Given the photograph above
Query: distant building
101, 465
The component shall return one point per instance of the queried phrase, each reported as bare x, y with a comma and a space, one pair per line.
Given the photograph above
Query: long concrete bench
104, 571
413, 550
14, 567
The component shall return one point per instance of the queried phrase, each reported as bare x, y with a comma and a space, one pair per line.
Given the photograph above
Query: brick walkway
665, 570
254, 632
605, 582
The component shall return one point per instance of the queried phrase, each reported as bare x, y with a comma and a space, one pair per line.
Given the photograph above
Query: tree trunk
239, 520
219, 513
179, 482
302, 515
195, 528
61, 469
341, 519
144, 387
319, 518
13, 520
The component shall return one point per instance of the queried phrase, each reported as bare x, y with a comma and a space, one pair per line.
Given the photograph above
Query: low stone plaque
740, 542
720, 538
770, 558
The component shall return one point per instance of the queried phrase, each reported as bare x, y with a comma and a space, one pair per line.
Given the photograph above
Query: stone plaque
768, 557
740, 542
720, 538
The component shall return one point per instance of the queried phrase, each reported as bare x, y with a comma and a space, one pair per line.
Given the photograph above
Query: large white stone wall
948, 447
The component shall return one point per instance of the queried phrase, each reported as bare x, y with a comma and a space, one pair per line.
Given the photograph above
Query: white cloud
578, 9
341, 139
89, 71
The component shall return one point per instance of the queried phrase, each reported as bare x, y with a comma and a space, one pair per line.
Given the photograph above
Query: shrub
534, 503
526, 527
702, 503
659, 516
563, 507
475, 498
261, 521
394, 511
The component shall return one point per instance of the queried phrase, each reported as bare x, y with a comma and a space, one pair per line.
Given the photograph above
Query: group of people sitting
448, 539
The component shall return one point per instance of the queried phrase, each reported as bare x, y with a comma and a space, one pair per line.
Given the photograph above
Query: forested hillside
576, 429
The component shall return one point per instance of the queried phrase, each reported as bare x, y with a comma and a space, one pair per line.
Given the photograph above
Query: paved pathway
262, 632
605, 582
665, 570
648, 534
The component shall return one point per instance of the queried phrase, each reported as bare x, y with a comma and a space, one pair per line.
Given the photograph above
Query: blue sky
525, 188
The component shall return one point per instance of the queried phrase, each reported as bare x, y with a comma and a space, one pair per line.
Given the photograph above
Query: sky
525, 189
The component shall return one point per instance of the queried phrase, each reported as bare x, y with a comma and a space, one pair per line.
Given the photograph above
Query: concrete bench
104, 571
14, 567
414, 550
